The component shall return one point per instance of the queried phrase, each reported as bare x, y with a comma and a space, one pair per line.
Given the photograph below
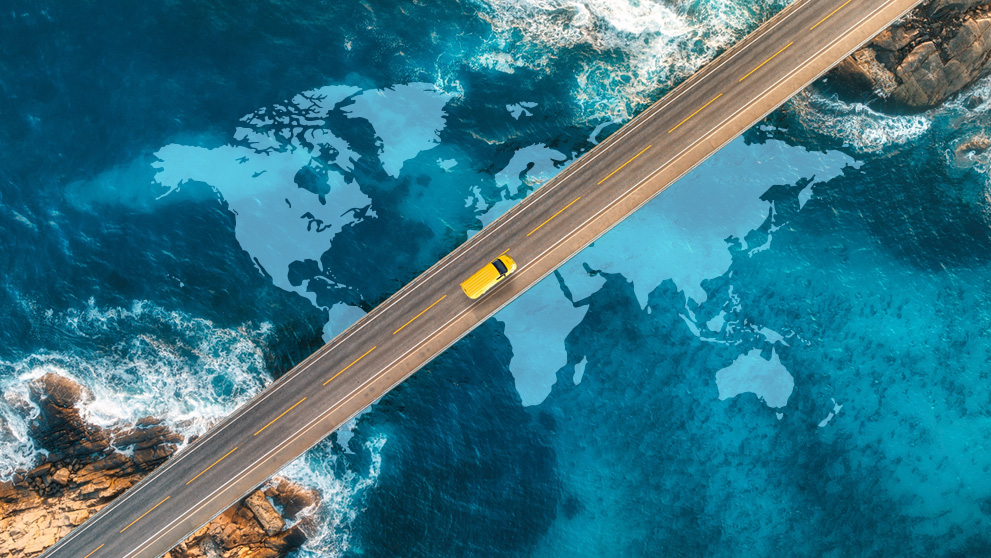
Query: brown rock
909, 94
149, 458
61, 476
956, 75
59, 428
39, 541
210, 548
938, 7
894, 38
916, 58
969, 148
265, 513
142, 438
31, 522
40, 471
59, 390
291, 497
939, 49
77, 517
148, 421
863, 71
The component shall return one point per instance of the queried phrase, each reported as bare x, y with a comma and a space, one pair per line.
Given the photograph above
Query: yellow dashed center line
94, 551
211, 466
768, 60
144, 514
277, 418
420, 314
830, 14
696, 112
350, 365
624, 164
553, 216
504, 252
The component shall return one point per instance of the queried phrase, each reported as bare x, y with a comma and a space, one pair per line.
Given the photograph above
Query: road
428, 315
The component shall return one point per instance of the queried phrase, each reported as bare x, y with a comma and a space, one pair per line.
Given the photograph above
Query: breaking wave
856, 124
147, 361
648, 46
341, 493
136, 362
869, 131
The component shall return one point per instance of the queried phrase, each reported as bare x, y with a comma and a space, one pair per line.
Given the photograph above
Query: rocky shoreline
918, 63
87, 467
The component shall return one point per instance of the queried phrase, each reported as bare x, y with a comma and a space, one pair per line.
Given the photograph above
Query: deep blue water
784, 354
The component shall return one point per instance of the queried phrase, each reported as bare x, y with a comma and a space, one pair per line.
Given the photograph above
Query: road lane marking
421, 313
503, 252
211, 466
271, 422
696, 112
310, 425
624, 164
553, 216
768, 60
830, 14
350, 365
630, 127
94, 551
144, 514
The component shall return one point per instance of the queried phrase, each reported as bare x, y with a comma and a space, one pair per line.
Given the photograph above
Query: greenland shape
278, 222
407, 118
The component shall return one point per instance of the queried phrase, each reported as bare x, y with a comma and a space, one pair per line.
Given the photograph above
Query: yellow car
487, 277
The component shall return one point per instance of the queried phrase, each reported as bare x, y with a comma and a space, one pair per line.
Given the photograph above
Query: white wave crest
980, 89
136, 362
644, 45
859, 126
965, 115
341, 495
17, 449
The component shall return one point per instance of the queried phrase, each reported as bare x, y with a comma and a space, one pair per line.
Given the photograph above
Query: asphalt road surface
428, 315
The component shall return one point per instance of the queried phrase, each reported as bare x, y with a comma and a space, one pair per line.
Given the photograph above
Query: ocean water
783, 354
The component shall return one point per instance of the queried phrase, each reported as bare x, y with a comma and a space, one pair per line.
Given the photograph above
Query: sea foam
857, 124
147, 361
135, 362
341, 494
642, 47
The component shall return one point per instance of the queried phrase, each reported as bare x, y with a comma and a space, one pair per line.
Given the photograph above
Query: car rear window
500, 267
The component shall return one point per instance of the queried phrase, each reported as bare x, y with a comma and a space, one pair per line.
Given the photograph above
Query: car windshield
501, 267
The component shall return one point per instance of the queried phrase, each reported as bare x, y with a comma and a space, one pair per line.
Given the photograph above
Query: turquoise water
783, 354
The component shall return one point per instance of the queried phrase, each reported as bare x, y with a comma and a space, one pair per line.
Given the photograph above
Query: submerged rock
87, 468
943, 46
970, 151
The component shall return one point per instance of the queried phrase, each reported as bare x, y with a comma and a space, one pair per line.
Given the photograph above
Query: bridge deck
425, 317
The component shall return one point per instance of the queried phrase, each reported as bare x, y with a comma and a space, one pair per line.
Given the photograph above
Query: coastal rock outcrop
88, 466
940, 48
970, 151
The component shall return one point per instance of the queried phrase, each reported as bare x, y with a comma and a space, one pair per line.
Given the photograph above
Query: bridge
431, 313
